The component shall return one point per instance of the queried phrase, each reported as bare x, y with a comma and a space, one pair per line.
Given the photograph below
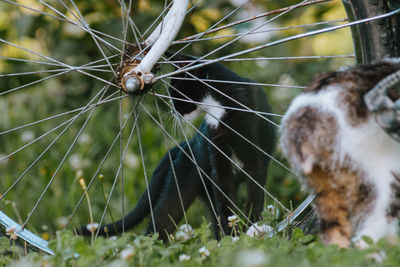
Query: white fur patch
239, 163
212, 107
214, 112
378, 155
192, 115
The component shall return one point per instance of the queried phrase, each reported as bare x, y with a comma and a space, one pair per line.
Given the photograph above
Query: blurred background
32, 89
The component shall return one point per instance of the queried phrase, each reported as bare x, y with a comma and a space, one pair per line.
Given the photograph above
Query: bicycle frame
159, 40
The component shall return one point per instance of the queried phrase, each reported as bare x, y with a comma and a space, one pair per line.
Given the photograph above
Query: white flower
186, 227
273, 210
62, 222
258, 230
79, 174
263, 32
238, 2
286, 79
233, 220
270, 208
72, 30
132, 160
84, 139
251, 258
11, 232
127, 253
27, 136
184, 257
92, 227
184, 233
204, 252
77, 162
182, 236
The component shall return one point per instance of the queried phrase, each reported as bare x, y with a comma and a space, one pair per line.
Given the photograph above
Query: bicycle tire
381, 42
377, 39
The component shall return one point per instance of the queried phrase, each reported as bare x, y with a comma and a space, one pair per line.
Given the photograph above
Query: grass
200, 249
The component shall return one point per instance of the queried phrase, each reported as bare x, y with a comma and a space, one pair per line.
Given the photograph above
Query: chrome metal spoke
145, 177
219, 106
81, 24
213, 26
237, 82
94, 68
53, 60
245, 139
71, 121
277, 42
101, 165
269, 13
235, 39
190, 158
222, 94
256, 59
102, 93
261, 31
166, 143
105, 101
41, 67
138, 104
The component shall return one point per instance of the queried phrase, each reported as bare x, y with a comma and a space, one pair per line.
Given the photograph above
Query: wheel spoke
204, 174
227, 157
66, 154
284, 40
260, 31
43, 64
105, 101
269, 13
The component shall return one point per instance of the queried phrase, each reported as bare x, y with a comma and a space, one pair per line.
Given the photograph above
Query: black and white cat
346, 158
244, 137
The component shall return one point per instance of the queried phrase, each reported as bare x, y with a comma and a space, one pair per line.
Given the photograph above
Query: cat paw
336, 238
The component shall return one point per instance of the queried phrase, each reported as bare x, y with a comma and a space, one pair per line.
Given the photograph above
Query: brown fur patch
394, 208
339, 196
311, 132
357, 81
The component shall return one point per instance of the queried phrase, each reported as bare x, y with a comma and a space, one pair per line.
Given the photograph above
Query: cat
347, 160
215, 129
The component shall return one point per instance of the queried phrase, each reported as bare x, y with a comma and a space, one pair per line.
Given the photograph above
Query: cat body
219, 149
346, 159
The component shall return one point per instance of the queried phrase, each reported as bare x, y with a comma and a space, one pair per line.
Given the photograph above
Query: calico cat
217, 137
349, 162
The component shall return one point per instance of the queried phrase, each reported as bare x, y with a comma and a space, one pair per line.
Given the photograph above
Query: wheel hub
131, 81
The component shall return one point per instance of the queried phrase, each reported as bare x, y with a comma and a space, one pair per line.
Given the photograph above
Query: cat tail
142, 208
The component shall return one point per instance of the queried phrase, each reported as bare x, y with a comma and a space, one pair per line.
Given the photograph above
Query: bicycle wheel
65, 117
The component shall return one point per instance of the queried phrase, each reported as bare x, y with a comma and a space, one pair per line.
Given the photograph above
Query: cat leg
255, 194
382, 219
334, 222
333, 209
211, 207
376, 226
224, 177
